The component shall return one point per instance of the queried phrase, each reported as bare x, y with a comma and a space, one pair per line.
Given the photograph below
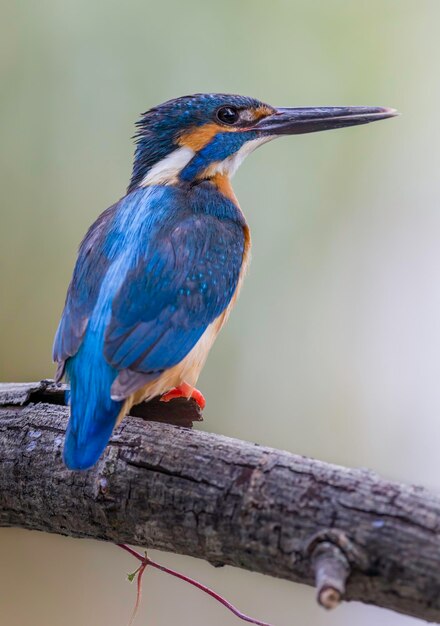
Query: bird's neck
197, 157
170, 169
215, 197
222, 183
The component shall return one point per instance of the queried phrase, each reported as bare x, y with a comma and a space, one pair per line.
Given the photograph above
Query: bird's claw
185, 391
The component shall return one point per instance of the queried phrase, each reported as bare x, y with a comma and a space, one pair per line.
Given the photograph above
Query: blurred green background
333, 349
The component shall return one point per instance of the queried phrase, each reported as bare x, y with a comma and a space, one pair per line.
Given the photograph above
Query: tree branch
230, 502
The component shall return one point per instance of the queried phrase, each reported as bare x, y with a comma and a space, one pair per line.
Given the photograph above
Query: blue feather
183, 282
93, 412
221, 146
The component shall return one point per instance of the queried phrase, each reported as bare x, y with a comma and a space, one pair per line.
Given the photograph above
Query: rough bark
226, 501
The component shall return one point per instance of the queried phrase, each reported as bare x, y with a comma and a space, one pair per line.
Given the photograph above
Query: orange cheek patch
199, 137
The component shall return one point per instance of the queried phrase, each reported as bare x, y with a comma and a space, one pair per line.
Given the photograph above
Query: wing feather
172, 295
181, 268
89, 272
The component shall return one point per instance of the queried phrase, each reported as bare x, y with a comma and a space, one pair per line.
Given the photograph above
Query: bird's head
204, 136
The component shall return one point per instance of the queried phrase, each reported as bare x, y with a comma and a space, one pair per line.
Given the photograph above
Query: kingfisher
158, 272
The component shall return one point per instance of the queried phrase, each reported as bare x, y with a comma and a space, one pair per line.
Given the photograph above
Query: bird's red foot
185, 391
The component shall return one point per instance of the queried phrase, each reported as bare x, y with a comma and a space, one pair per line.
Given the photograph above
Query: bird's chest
244, 264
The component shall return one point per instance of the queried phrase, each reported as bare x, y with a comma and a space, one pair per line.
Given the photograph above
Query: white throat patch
166, 171
230, 165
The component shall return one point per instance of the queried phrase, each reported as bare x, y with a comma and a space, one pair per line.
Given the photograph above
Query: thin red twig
145, 560
139, 573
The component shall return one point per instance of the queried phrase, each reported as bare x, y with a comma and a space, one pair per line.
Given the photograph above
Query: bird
158, 272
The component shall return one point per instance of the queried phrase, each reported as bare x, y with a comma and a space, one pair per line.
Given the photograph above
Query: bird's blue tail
93, 413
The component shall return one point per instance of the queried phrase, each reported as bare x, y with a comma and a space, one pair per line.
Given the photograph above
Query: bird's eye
228, 115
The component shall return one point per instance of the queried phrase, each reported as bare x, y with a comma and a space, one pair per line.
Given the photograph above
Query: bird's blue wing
170, 296
90, 269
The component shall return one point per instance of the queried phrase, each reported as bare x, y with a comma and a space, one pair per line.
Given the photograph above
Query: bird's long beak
310, 119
